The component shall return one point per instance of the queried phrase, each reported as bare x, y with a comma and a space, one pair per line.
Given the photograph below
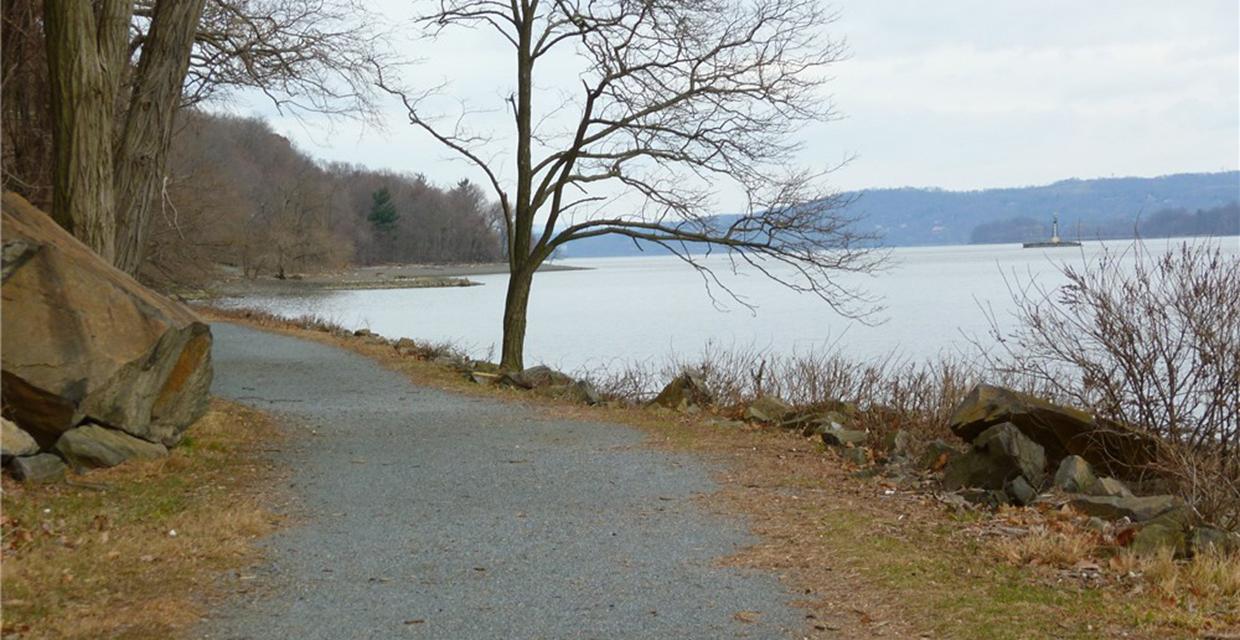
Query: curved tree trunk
86, 48
142, 151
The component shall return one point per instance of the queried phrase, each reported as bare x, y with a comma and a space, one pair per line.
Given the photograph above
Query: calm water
650, 309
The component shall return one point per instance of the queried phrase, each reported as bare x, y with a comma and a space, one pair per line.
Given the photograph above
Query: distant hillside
909, 217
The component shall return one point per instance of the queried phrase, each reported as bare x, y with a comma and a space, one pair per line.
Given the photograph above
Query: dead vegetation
136, 551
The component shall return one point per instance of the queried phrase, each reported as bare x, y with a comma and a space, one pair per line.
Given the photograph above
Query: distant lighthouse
1056, 241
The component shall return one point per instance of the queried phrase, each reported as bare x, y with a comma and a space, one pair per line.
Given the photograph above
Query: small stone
480, 377
1108, 487
362, 333
1020, 491
1136, 509
855, 455
768, 409
42, 467
92, 445
14, 441
684, 393
1204, 539
1074, 475
843, 437
937, 455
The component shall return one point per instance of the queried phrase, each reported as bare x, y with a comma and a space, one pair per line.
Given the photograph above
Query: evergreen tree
383, 215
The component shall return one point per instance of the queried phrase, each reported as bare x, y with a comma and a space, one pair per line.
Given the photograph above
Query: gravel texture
423, 514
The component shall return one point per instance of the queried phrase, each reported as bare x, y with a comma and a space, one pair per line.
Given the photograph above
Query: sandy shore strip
391, 276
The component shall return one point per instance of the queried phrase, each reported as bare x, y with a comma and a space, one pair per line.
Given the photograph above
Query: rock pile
1015, 440
96, 368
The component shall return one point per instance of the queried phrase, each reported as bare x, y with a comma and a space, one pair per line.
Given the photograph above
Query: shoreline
394, 276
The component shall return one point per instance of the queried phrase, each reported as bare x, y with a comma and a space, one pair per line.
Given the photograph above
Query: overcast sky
959, 94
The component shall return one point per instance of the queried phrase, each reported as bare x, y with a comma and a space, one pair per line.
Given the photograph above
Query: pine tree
383, 215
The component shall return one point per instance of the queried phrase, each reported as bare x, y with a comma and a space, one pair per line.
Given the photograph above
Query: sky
955, 94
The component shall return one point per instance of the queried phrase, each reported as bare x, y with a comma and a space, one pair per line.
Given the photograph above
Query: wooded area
164, 190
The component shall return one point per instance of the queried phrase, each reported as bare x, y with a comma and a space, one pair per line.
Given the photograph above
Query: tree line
242, 195
1164, 223
163, 189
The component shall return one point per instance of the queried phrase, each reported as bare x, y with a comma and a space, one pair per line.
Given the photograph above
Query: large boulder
999, 455
84, 341
1062, 431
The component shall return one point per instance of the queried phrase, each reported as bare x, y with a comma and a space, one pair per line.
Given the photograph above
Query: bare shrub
1150, 341
889, 393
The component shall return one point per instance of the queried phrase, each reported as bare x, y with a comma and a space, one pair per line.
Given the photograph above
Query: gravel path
423, 514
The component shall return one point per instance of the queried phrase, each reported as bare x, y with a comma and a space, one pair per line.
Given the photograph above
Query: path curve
424, 514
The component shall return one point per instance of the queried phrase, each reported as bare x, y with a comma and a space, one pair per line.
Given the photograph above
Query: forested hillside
242, 195
1107, 207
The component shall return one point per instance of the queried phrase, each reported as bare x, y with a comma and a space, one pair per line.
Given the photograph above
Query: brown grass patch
99, 557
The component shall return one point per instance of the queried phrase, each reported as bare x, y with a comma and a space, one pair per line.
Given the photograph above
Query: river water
651, 309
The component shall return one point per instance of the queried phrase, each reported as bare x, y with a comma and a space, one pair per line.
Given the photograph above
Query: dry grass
872, 557
98, 558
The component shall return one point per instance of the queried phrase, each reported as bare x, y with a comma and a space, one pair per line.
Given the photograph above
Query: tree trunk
515, 305
86, 47
141, 155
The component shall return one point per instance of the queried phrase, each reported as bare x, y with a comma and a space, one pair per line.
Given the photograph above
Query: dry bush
1048, 547
1209, 582
890, 393
1150, 341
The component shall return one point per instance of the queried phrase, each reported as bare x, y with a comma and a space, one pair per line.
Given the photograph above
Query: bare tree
306, 56
677, 99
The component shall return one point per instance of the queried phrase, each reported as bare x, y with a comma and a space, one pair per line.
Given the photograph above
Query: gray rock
855, 455
481, 377
1006, 443
1167, 531
362, 333
937, 454
999, 454
14, 441
768, 409
1135, 508
684, 393
42, 467
985, 497
581, 392
1204, 539
92, 445
899, 445
406, 347
1074, 475
1108, 487
1020, 491
843, 437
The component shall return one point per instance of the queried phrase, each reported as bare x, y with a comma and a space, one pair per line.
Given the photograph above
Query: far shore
388, 276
